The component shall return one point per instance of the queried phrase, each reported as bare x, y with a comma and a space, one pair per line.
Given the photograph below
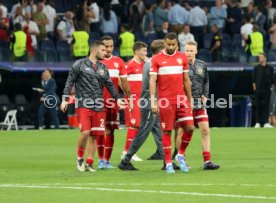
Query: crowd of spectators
222, 28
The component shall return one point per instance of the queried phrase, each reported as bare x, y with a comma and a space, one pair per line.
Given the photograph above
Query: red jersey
134, 76
169, 70
116, 69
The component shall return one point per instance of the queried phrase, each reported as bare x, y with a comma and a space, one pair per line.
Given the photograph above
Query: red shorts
132, 118
200, 115
91, 120
112, 118
172, 115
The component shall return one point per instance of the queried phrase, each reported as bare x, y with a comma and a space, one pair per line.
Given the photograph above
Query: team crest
116, 65
133, 121
200, 71
179, 60
101, 72
163, 125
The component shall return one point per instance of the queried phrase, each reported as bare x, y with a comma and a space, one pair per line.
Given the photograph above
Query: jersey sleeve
185, 64
122, 69
154, 66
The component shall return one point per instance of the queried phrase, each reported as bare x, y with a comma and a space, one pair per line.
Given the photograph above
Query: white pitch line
150, 184
137, 191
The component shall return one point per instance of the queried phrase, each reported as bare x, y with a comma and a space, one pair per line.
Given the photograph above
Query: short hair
263, 54
171, 36
256, 28
139, 45
17, 26
194, 43
125, 26
50, 71
156, 46
96, 44
106, 37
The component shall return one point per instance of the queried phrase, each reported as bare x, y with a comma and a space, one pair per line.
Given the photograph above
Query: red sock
108, 148
167, 147
206, 156
81, 152
185, 140
131, 134
89, 161
100, 146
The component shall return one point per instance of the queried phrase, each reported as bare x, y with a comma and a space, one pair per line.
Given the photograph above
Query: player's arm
72, 77
187, 86
152, 87
206, 86
125, 86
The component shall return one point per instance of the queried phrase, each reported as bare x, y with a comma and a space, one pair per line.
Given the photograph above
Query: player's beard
170, 51
100, 56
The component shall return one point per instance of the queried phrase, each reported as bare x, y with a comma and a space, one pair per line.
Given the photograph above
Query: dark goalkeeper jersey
89, 80
200, 82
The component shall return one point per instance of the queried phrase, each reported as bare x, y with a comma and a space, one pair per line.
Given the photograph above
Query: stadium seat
116, 52
22, 107
50, 55
150, 38
237, 38
267, 46
94, 36
226, 38
37, 57
65, 55
46, 45
227, 52
204, 55
207, 40
5, 105
5, 54
63, 44
253, 59
3, 44
242, 56
271, 55
139, 36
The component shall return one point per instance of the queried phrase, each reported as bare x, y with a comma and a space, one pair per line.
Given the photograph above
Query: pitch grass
39, 166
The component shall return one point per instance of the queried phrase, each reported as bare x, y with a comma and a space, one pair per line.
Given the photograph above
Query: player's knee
85, 133
190, 129
205, 132
107, 131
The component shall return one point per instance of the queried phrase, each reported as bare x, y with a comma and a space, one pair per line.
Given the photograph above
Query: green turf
47, 159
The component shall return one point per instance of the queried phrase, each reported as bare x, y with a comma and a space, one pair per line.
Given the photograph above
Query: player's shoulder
117, 59
78, 62
157, 56
201, 62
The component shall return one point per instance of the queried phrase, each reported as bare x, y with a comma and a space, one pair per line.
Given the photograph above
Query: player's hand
203, 99
154, 106
42, 99
122, 104
63, 106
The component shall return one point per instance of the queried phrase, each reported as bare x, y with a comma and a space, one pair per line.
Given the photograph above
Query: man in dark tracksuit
149, 122
89, 76
262, 82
